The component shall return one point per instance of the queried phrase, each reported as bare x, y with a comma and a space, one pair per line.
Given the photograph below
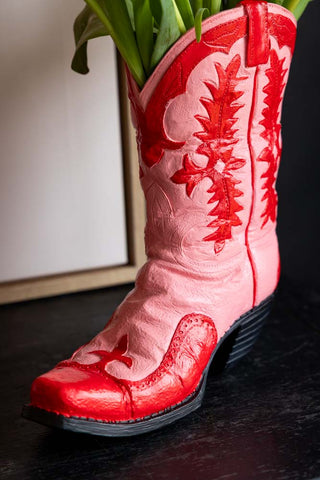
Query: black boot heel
241, 337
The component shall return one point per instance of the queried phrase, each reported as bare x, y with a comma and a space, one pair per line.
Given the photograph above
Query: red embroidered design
218, 138
189, 326
194, 338
151, 136
222, 37
283, 29
106, 357
272, 128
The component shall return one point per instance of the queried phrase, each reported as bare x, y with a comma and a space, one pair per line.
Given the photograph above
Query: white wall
61, 192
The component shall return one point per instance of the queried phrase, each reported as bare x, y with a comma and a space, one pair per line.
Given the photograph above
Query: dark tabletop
260, 420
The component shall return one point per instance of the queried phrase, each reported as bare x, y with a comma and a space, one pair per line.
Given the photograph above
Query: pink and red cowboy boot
208, 131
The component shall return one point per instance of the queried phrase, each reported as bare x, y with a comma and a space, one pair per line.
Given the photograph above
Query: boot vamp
89, 391
149, 316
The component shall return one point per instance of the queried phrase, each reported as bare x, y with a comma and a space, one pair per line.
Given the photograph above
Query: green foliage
168, 31
86, 27
115, 17
143, 23
186, 12
144, 30
298, 11
201, 14
290, 4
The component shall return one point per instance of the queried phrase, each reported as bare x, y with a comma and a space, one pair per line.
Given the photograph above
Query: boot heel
240, 340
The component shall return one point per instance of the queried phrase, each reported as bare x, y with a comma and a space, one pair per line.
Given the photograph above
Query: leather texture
208, 134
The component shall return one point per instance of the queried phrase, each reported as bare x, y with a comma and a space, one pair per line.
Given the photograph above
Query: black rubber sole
234, 345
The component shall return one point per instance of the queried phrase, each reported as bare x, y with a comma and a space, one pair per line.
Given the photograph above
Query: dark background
299, 176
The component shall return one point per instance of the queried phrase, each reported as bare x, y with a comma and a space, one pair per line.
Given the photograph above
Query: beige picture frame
71, 282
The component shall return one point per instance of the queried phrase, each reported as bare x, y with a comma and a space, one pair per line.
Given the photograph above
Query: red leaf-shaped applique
105, 357
151, 137
271, 133
218, 137
283, 29
218, 126
116, 354
224, 36
190, 174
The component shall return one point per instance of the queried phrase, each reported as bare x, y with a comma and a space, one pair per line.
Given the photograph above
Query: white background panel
61, 187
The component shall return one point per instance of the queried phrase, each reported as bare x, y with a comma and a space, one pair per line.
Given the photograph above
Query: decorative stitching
168, 362
283, 30
272, 128
218, 139
250, 255
257, 309
106, 357
151, 136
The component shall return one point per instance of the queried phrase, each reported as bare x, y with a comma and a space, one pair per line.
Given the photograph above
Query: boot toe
74, 393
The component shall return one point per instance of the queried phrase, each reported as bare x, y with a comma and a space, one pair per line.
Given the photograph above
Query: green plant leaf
232, 3
200, 15
114, 16
156, 11
169, 30
143, 21
86, 27
144, 30
290, 4
300, 8
129, 4
180, 21
215, 6
185, 12
196, 5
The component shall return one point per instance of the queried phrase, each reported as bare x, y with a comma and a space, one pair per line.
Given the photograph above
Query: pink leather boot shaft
208, 132
208, 135
208, 128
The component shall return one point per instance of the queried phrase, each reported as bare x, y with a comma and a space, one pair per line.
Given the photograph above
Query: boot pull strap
258, 47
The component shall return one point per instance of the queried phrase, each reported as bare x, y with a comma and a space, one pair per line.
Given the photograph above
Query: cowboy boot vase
209, 140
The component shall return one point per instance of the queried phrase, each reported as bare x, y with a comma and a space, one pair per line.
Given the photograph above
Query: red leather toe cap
72, 392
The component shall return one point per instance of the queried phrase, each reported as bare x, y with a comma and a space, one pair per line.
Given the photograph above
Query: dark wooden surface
260, 420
